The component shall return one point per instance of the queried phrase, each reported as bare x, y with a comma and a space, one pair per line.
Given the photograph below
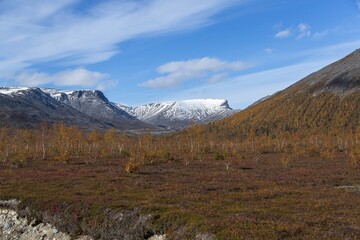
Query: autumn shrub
312, 151
285, 160
354, 156
64, 156
327, 153
132, 166
219, 156
136, 160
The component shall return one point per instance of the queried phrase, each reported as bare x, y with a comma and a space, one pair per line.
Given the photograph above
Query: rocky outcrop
12, 226
20, 223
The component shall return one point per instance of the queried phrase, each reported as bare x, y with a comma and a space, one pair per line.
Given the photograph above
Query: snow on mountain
179, 114
29, 91
56, 94
125, 108
182, 110
171, 114
95, 104
13, 90
28, 107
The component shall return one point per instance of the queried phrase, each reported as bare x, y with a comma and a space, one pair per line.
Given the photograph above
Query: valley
292, 174
179, 120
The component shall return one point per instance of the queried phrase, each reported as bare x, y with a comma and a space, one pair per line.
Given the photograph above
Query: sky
144, 51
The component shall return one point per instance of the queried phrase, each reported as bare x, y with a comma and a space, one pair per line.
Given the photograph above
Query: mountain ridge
95, 104
28, 107
170, 115
180, 114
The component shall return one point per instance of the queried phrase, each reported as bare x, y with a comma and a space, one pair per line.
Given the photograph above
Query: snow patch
56, 94
13, 90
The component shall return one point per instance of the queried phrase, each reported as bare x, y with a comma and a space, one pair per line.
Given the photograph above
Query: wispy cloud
269, 50
283, 33
36, 31
319, 35
303, 31
75, 77
358, 4
180, 71
218, 77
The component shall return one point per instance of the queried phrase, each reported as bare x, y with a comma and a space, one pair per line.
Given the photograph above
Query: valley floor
257, 196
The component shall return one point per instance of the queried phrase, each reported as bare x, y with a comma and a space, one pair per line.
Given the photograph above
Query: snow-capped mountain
28, 107
94, 103
179, 114
11, 91
85, 108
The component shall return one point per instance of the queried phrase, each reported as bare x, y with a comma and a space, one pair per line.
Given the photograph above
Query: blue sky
156, 50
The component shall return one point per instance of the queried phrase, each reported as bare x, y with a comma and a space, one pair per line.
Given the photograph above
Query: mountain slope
28, 107
94, 104
179, 114
323, 102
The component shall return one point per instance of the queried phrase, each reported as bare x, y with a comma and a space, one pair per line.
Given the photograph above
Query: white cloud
303, 31
319, 35
358, 4
283, 33
303, 27
218, 77
181, 71
77, 77
269, 50
36, 31
200, 65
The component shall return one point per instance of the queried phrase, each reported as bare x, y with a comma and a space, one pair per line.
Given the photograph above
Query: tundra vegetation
250, 184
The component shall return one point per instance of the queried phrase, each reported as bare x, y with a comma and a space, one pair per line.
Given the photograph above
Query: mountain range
27, 107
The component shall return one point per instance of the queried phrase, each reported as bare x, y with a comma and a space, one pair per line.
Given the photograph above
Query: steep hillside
324, 102
179, 114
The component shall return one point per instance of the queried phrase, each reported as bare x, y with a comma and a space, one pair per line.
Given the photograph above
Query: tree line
197, 143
